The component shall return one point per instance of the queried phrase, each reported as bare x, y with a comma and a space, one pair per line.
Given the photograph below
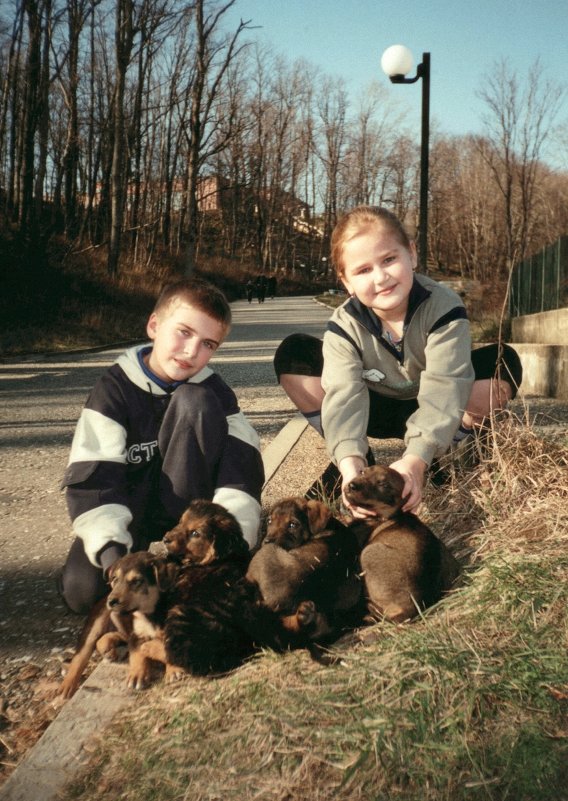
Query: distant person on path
396, 359
271, 286
159, 429
261, 288
249, 290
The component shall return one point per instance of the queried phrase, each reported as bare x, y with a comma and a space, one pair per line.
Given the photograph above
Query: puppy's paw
306, 613
69, 686
139, 673
111, 646
173, 674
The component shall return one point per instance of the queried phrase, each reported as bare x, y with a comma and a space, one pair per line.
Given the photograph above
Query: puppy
138, 582
308, 555
405, 567
206, 533
216, 619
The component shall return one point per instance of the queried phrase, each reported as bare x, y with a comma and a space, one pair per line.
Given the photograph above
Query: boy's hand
350, 468
412, 469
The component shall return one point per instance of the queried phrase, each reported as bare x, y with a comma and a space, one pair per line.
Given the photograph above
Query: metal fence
540, 283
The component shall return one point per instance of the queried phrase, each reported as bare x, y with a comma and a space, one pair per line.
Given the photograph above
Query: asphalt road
40, 401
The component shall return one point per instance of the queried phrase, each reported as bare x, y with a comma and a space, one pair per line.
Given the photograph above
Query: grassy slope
67, 301
468, 703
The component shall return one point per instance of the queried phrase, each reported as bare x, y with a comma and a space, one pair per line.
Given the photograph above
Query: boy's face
378, 270
184, 338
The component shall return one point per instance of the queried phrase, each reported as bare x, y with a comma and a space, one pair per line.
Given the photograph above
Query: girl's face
378, 270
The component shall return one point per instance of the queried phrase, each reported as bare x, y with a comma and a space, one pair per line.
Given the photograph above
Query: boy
159, 429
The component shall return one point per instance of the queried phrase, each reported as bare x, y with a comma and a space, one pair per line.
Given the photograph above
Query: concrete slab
276, 452
60, 753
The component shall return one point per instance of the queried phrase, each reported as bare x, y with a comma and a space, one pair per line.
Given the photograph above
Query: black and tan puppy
405, 567
131, 612
308, 555
216, 619
206, 533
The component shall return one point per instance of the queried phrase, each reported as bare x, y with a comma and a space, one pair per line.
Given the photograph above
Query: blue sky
346, 38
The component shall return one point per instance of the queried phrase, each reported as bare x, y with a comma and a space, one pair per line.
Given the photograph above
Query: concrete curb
60, 752
277, 450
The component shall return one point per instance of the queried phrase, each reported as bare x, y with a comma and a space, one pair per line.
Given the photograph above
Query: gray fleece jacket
434, 366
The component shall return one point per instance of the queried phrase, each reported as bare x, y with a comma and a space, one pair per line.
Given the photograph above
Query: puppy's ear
229, 540
318, 516
166, 574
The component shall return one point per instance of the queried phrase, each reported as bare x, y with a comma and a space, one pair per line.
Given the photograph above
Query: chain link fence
540, 283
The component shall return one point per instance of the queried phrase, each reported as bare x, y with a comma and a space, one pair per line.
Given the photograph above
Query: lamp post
397, 62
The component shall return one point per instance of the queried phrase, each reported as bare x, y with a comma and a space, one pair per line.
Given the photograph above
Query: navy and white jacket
115, 452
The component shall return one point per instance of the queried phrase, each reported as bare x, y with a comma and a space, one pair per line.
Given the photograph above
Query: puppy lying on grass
133, 610
308, 555
405, 567
215, 618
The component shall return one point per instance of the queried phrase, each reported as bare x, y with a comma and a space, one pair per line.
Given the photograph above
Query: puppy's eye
135, 584
194, 533
269, 519
292, 524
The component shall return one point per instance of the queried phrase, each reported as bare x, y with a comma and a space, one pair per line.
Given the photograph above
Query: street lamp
397, 62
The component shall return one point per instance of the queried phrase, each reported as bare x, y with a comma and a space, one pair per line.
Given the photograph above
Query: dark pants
301, 354
190, 441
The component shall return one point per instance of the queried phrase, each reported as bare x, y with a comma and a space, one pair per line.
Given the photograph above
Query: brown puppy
216, 619
138, 583
405, 567
206, 533
308, 555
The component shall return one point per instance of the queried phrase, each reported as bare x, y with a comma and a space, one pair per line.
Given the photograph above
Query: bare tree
212, 60
124, 41
518, 120
332, 105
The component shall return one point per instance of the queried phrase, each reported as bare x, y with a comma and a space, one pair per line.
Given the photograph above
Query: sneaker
438, 474
328, 486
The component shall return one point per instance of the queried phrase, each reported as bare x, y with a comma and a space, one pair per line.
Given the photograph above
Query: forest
150, 132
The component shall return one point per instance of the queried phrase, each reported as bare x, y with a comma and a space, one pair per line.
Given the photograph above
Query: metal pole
423, 71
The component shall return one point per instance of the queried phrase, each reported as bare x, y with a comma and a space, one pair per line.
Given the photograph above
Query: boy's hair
355, 221
204, 296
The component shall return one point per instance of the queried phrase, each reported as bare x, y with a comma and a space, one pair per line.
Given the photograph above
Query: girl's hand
412, 469
350, 467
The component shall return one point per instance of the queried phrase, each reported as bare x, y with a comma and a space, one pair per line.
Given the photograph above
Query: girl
396, 360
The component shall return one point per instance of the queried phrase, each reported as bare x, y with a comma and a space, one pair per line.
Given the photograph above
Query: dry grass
470, 702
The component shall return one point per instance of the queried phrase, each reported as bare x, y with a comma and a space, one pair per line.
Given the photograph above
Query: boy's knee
78, 594
299, 354
81, 584
192, 402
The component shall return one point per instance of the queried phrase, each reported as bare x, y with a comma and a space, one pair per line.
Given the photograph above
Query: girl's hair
355, 221
204, 296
